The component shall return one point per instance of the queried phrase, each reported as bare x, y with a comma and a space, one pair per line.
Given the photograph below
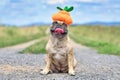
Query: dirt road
91, 65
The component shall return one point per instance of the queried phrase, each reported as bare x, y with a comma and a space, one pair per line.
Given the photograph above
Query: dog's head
59, 29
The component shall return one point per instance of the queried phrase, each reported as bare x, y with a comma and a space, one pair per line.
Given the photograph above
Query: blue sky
24, 12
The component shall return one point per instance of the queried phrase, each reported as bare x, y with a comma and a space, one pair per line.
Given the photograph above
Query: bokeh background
96, 23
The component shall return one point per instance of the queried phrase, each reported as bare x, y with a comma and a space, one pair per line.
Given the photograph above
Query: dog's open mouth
59, 32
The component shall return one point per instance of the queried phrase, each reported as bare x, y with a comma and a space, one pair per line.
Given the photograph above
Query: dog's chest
59, 50
60, 53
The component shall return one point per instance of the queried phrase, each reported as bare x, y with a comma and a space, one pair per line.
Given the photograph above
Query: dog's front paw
44, 72
72, 73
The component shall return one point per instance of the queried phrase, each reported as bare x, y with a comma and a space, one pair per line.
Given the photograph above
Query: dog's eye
64, 24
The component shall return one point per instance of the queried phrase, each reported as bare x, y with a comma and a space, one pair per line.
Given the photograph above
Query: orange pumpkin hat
63, 15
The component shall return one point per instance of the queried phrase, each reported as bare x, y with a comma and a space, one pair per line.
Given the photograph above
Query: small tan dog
60, 56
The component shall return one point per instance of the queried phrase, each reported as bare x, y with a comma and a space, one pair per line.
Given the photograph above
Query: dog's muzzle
57, 31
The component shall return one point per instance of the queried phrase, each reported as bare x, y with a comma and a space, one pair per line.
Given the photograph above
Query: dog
60, 55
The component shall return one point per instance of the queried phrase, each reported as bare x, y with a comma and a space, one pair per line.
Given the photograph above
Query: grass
105, 39
13, 35
36, 48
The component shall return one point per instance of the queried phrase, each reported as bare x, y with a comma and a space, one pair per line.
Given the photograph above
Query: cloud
84, 0
92, 1
3, 3
56, 1
116, 6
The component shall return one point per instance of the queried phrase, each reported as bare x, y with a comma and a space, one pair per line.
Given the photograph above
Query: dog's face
62, 26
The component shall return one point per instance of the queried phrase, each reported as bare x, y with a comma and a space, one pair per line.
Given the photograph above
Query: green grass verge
36, 48
13, 35
105, 39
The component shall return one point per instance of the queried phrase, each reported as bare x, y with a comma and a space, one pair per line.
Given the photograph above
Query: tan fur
60, 57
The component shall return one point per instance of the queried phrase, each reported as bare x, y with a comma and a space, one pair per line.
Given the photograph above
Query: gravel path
91, 66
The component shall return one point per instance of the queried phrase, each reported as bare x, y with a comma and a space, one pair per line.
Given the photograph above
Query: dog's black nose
65, 32
52, 30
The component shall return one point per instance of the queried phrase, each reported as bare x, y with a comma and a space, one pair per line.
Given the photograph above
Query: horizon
25, 12
87, 23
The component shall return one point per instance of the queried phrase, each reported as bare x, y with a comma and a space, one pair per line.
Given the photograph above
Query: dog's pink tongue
59, 30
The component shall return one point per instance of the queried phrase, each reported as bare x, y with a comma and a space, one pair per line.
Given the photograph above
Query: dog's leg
46, 70
75, 63
71, 63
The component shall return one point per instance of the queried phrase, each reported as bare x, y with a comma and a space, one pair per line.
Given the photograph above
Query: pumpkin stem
59, 8
70, 9
66, 8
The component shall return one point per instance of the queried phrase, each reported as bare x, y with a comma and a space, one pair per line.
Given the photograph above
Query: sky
25, 12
